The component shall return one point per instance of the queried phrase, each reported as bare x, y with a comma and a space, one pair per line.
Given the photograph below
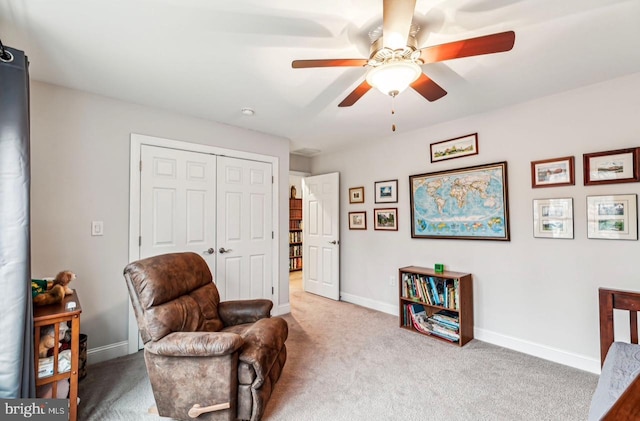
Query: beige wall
535, 295
80, 173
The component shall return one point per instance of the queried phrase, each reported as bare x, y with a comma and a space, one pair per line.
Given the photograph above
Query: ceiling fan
395, 59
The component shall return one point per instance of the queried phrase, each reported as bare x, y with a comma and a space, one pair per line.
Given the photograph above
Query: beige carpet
350, 363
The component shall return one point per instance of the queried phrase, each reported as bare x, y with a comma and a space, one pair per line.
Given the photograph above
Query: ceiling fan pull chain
393, 112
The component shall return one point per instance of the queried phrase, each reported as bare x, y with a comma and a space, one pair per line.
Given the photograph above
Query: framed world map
466, 203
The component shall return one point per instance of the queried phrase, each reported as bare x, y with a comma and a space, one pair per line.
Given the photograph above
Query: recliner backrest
173, 293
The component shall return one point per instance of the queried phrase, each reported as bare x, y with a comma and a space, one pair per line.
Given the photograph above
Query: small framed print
454, 148
386, 191
553, 218
356, 195
385, 219
618, 166
553, 172
358, 220
612, 217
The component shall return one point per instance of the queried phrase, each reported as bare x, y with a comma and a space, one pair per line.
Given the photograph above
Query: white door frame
134, 207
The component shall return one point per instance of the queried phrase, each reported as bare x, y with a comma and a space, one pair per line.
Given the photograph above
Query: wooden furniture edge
608, 300
627, 406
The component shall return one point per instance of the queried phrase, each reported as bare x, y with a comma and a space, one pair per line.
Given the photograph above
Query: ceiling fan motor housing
379, 54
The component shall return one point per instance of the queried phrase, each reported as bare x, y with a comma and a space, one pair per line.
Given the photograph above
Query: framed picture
356, 195
467, 203
612, 217
454, 148
553, 218
385, 219
386, 191
553, 172
619, 166
358, 220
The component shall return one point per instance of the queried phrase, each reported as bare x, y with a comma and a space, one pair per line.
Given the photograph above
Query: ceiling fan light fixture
393, 77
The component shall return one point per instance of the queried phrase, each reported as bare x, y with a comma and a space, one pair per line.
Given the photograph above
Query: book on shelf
431, 290
425, 291
421, 321
434, 291
445, 333
419, 318
446, 323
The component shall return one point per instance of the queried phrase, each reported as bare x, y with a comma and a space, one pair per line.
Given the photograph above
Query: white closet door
178, 202
244, 229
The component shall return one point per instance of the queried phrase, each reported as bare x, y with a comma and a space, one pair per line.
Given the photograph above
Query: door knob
210, 250
333, 242
223, 250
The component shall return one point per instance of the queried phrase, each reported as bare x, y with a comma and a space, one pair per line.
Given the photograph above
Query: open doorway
296, 259
295, 281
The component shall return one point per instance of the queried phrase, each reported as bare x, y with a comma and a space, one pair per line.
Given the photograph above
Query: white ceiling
210, 58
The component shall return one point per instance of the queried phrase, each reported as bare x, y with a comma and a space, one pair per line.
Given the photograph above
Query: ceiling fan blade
488, 44
355, 95
428, 88
339, 62
396, 22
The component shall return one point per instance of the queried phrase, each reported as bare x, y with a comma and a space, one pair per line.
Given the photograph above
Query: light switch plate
97, 228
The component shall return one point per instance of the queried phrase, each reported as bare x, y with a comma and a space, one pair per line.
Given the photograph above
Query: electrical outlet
97, 228
392, 281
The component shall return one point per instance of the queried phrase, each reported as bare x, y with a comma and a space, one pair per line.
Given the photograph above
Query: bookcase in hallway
436, 304
295, 234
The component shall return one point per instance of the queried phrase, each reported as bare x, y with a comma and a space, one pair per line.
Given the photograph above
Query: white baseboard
559, 356
107, 352
368, 303
281, 309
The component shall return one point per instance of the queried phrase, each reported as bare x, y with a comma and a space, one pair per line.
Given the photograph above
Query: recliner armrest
196, 344
263, 342
244, 311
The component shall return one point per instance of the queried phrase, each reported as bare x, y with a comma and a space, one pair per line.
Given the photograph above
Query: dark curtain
17, 379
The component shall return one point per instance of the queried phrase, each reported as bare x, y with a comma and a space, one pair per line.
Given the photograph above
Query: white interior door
321, 235
244, 229
177, 202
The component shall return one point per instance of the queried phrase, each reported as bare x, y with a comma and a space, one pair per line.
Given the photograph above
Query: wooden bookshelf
454, 292
295, 234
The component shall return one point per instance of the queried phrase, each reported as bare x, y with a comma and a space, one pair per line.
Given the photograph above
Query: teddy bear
48, 340
45, 366
57, 290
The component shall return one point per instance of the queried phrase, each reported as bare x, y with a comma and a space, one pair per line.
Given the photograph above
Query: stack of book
444, 324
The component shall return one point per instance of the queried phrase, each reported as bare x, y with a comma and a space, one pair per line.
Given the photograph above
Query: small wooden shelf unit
461, 305
54, 314
295, 234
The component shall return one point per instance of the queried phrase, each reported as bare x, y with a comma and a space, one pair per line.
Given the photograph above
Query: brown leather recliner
203, 356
